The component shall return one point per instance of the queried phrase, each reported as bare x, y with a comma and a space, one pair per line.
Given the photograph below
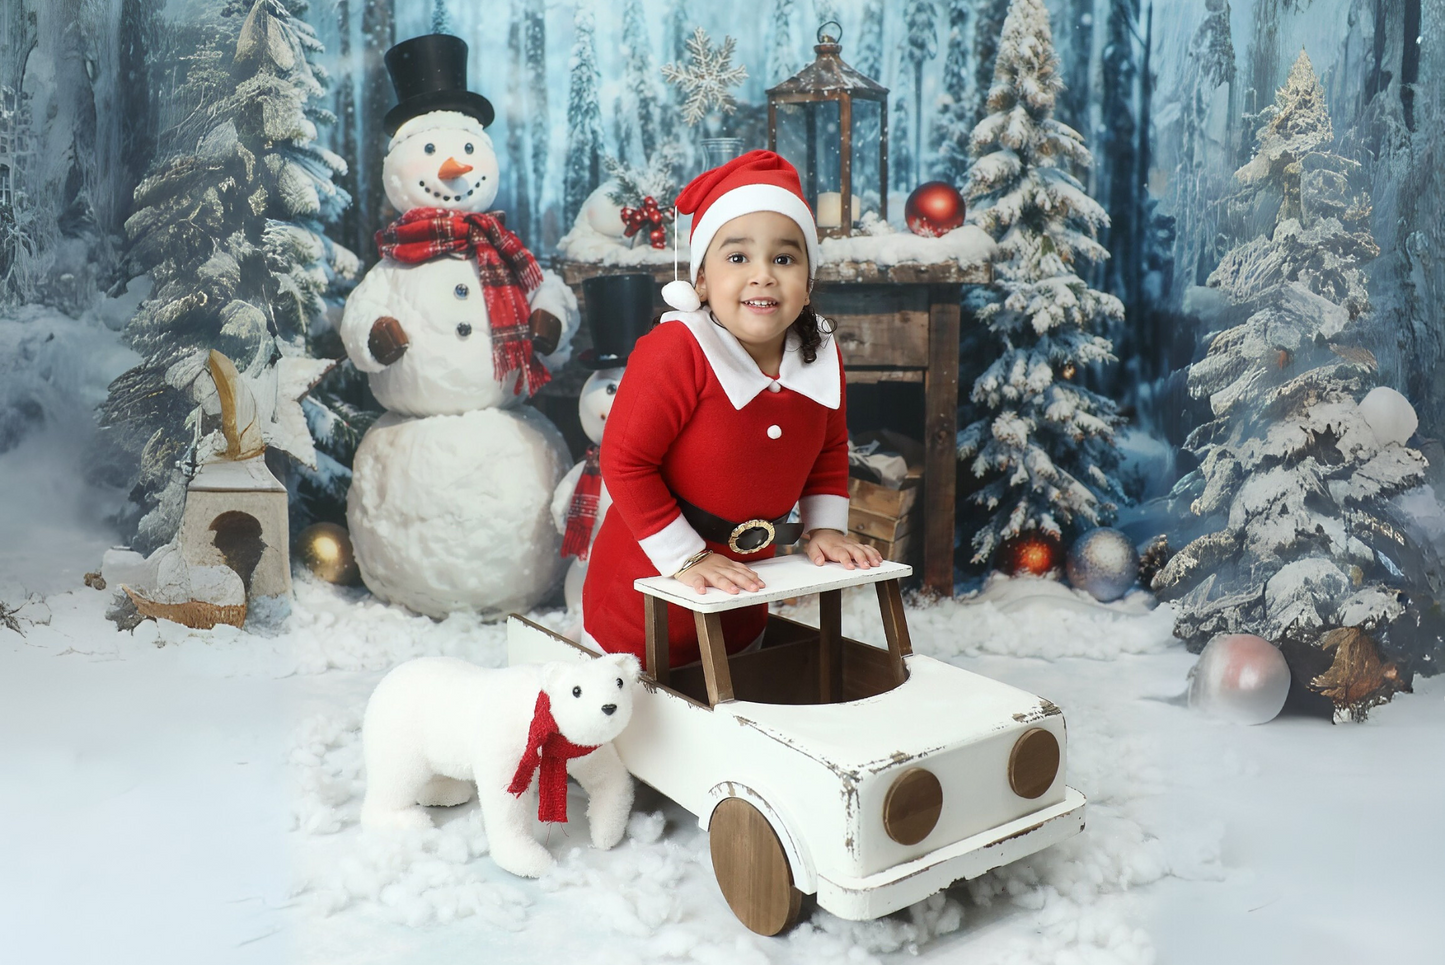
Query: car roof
938, 707
784, 577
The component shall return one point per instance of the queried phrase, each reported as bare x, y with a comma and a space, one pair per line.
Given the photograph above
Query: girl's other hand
829, 544
719, 571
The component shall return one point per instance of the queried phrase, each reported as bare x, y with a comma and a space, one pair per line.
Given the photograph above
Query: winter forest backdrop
108, 107
1165, 99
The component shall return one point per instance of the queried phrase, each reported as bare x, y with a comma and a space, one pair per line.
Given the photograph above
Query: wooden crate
887, 518
899, 551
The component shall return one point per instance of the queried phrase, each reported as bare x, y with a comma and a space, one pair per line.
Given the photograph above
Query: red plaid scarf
508, 272
548, 749
582, 513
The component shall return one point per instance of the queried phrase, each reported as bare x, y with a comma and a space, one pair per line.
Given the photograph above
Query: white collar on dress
740, 376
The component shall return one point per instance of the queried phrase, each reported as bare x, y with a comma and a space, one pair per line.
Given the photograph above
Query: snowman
449, 507
619, 311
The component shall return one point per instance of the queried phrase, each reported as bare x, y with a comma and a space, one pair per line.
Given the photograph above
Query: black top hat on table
429, 74
619, 312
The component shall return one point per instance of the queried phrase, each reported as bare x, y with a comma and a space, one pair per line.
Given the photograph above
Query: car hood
937, 708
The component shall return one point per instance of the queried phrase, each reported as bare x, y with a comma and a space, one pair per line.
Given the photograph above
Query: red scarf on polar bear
508, 272
548, 748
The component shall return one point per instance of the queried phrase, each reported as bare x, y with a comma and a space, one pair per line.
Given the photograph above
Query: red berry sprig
648, 216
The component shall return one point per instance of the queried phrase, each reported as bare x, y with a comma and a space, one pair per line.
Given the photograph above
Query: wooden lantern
831, 122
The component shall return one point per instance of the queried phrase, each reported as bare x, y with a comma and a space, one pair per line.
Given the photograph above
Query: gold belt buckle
741, 528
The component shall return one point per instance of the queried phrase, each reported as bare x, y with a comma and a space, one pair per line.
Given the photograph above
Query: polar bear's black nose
608, 709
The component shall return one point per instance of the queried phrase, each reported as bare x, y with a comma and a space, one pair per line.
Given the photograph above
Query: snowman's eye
464, 329
462, 291
470, 149
430, 149
576, 691
611, 388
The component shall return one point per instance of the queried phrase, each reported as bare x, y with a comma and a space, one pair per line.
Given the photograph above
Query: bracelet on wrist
692, 561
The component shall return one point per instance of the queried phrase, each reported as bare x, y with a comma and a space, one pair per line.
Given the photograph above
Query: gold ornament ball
325, 550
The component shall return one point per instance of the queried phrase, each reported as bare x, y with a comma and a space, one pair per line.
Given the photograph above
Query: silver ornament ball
1103, 563
1241, 678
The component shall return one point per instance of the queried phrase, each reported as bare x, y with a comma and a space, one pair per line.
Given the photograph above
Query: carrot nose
452, 169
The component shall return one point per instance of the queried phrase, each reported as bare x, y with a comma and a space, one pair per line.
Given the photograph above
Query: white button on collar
775, 432
774, 387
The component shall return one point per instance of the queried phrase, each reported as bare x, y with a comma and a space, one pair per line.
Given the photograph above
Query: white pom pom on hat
681, 296
756, 181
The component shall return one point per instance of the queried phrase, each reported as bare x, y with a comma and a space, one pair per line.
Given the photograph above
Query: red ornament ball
1034, 553
934, 209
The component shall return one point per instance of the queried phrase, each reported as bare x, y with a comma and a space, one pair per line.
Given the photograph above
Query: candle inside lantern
830, 209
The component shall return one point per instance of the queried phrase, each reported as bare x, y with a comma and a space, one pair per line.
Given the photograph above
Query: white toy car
820, 765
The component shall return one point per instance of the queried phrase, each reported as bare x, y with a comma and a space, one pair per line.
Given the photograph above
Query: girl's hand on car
719, 571
829, 544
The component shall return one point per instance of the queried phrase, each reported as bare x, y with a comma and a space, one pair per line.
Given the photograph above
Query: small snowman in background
449, 502
619, 311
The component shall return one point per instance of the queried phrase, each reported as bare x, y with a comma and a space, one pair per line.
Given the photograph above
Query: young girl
730, 412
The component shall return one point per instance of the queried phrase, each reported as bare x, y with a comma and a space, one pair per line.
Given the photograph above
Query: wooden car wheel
752, 868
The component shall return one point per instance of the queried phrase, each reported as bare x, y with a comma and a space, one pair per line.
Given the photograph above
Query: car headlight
1034, 763
912, 806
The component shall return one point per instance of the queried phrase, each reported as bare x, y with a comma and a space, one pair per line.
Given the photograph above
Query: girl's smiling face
754, 278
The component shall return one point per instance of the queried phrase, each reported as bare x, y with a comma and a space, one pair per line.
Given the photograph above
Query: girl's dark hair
810, 326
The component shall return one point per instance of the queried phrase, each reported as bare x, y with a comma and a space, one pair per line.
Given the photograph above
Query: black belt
749, 536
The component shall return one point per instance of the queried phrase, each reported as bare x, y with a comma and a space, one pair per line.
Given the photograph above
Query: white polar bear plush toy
436, 725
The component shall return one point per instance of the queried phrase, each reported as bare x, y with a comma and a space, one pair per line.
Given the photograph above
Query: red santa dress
696, 419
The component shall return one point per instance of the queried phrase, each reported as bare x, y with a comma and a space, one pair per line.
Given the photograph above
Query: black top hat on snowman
619, 312
430, 74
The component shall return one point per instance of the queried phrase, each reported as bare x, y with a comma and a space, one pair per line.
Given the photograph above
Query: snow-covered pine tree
637, 106
540, 133
1198, 182
782, 46
1043, 444
231, 236
140, 29
518, 165
680, 24
987, 27
900, 139
920, 45
1119, 158
378, 35
349, 228
869, 60
1075, 45
1294, 531
584, 117
954, 116
441, 20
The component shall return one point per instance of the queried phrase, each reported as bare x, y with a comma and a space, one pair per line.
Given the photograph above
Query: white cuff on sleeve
669, 547
824, 512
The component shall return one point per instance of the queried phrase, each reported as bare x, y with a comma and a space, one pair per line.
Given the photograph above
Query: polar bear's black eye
611, 388
619, 683
576, 691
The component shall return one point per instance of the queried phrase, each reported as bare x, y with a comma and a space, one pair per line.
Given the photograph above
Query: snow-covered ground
180, 796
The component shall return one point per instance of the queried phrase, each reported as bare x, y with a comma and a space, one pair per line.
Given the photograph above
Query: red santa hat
756, 181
